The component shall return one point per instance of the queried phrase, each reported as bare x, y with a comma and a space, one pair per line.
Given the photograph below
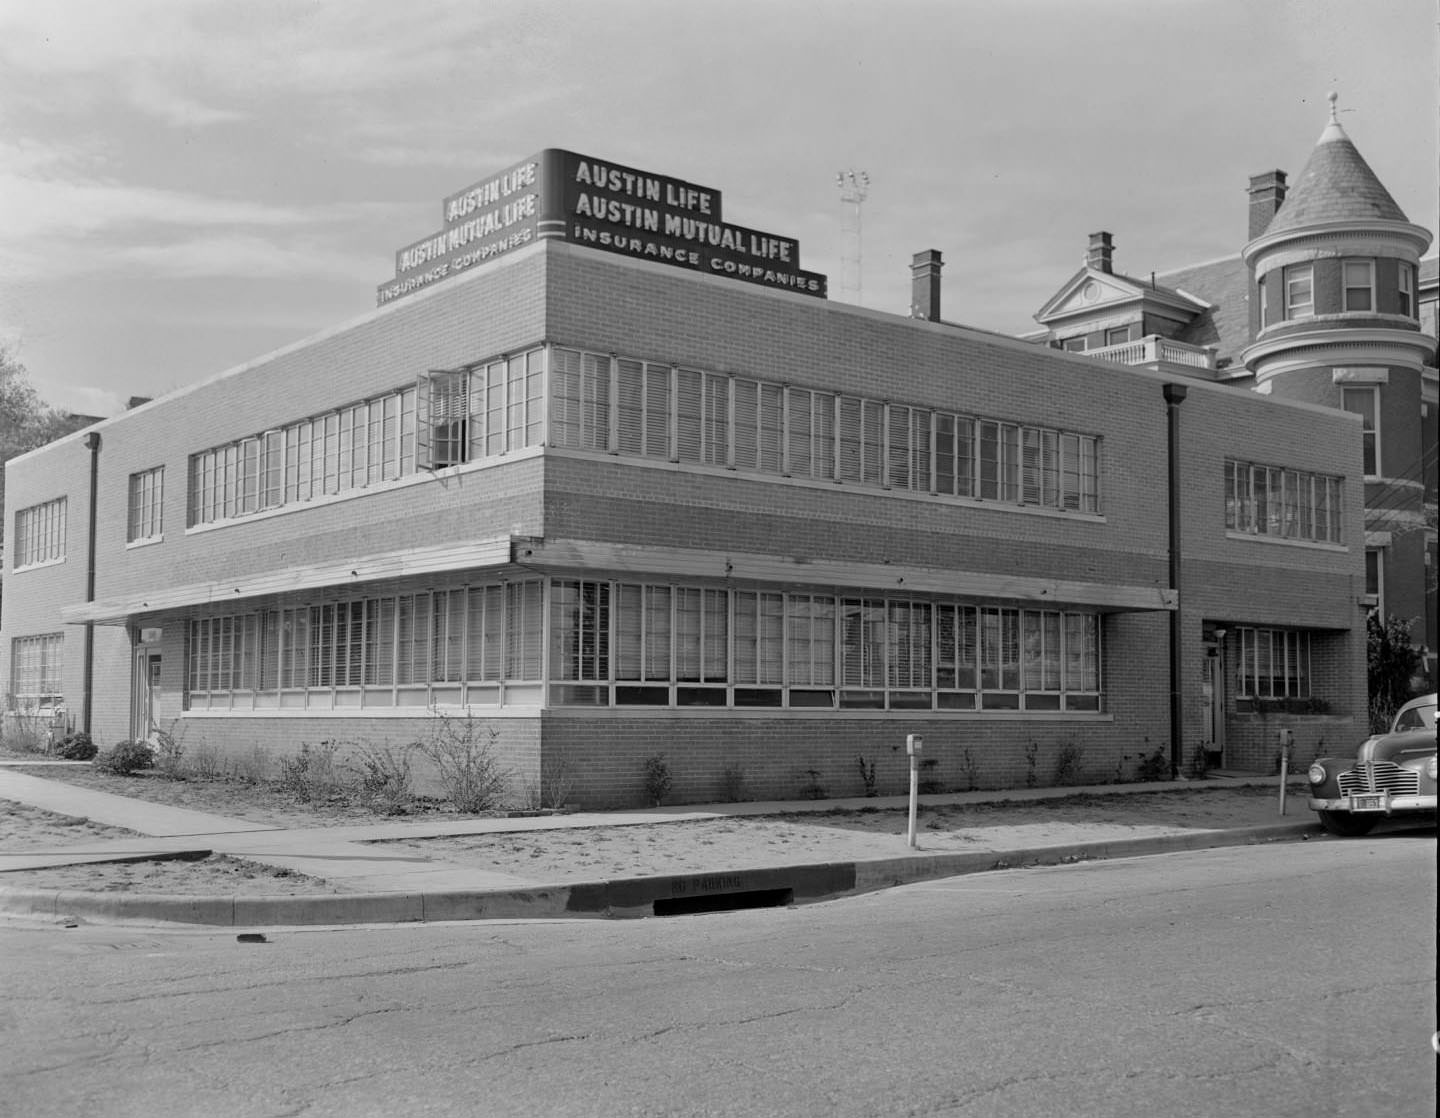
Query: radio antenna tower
854, 188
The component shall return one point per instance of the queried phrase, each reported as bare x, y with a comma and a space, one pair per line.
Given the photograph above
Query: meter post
914, 744
1287, 744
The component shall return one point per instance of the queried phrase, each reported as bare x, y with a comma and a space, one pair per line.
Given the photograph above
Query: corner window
1299, 291
1263, 293
1405, 288
145, 516
1359, 285
1365, 402
465, 415
40, 534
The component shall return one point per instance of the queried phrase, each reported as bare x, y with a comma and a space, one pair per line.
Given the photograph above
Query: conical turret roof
1335, 185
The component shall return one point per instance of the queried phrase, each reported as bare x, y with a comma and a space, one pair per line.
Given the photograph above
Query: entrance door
1214, 694
147, 694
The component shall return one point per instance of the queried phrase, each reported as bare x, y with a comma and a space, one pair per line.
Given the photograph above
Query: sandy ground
623, 851
745, 842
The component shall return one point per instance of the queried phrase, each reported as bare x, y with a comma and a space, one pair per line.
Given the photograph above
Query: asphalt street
1294, 979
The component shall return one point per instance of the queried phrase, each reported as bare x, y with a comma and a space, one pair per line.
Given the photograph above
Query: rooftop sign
559, 194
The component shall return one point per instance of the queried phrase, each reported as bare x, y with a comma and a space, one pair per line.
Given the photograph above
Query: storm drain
724, 902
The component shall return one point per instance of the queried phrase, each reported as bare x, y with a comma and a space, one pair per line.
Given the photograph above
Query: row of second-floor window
40, 533
1286, 504
1274, 664
644, 409
448, 418
1357, 290
627, 644
36, 664
635, 408
659, 644
356, 446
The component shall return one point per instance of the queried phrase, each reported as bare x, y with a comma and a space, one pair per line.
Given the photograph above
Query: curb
623, 897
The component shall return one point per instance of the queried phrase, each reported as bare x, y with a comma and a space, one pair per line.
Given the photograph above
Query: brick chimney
1267, 192
925, 285
1102, 247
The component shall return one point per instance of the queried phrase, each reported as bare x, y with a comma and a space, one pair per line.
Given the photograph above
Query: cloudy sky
188, 184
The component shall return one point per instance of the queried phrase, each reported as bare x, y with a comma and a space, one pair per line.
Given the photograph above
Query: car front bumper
1393, 804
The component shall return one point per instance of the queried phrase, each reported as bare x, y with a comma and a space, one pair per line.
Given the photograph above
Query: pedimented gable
1089, 289
1093, 292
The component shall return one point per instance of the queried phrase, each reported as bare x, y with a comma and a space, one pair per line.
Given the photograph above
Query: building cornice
1393, 231
1403, 349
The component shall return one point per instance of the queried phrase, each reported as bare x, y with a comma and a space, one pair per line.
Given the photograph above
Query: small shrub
168, 756
929, 782
252, 767
25, 730
75, 747
867, 777
462, 750
201, 763
1032, 754
126, 758
1070, 764
1153, 766
812, 789
383, 780
733, 781
657, 779
311, 776
556, 781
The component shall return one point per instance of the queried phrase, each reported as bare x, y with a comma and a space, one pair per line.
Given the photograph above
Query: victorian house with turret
1330, 301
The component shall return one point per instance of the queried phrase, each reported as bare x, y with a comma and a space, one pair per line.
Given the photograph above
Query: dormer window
1299, 291
1359, 285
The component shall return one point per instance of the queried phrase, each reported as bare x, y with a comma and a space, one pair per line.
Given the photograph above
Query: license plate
1374, 802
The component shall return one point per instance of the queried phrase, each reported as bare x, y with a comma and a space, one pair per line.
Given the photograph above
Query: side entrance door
147, 694
1214, 696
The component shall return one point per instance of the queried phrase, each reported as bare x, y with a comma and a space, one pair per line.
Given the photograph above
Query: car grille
1381, 776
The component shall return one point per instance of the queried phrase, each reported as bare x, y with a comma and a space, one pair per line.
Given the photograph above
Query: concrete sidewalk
380, 884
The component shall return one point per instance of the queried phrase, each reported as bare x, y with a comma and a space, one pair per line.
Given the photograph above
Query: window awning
491, 552
605, 558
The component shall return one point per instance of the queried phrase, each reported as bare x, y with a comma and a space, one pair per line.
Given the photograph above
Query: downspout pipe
1174, 396
92, 444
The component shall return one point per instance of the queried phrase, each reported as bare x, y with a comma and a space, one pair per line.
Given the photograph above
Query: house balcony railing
1157, 352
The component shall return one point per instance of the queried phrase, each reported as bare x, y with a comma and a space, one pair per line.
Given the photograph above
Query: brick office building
619, 486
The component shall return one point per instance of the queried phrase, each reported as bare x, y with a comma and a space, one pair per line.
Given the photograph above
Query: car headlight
1317, 773
1432, 767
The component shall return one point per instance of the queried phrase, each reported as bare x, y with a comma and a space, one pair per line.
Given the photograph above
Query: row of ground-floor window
566, 642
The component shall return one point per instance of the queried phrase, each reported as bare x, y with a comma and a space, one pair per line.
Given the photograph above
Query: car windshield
1416, 718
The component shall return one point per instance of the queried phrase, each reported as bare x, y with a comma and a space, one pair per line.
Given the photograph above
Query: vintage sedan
1392, 775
